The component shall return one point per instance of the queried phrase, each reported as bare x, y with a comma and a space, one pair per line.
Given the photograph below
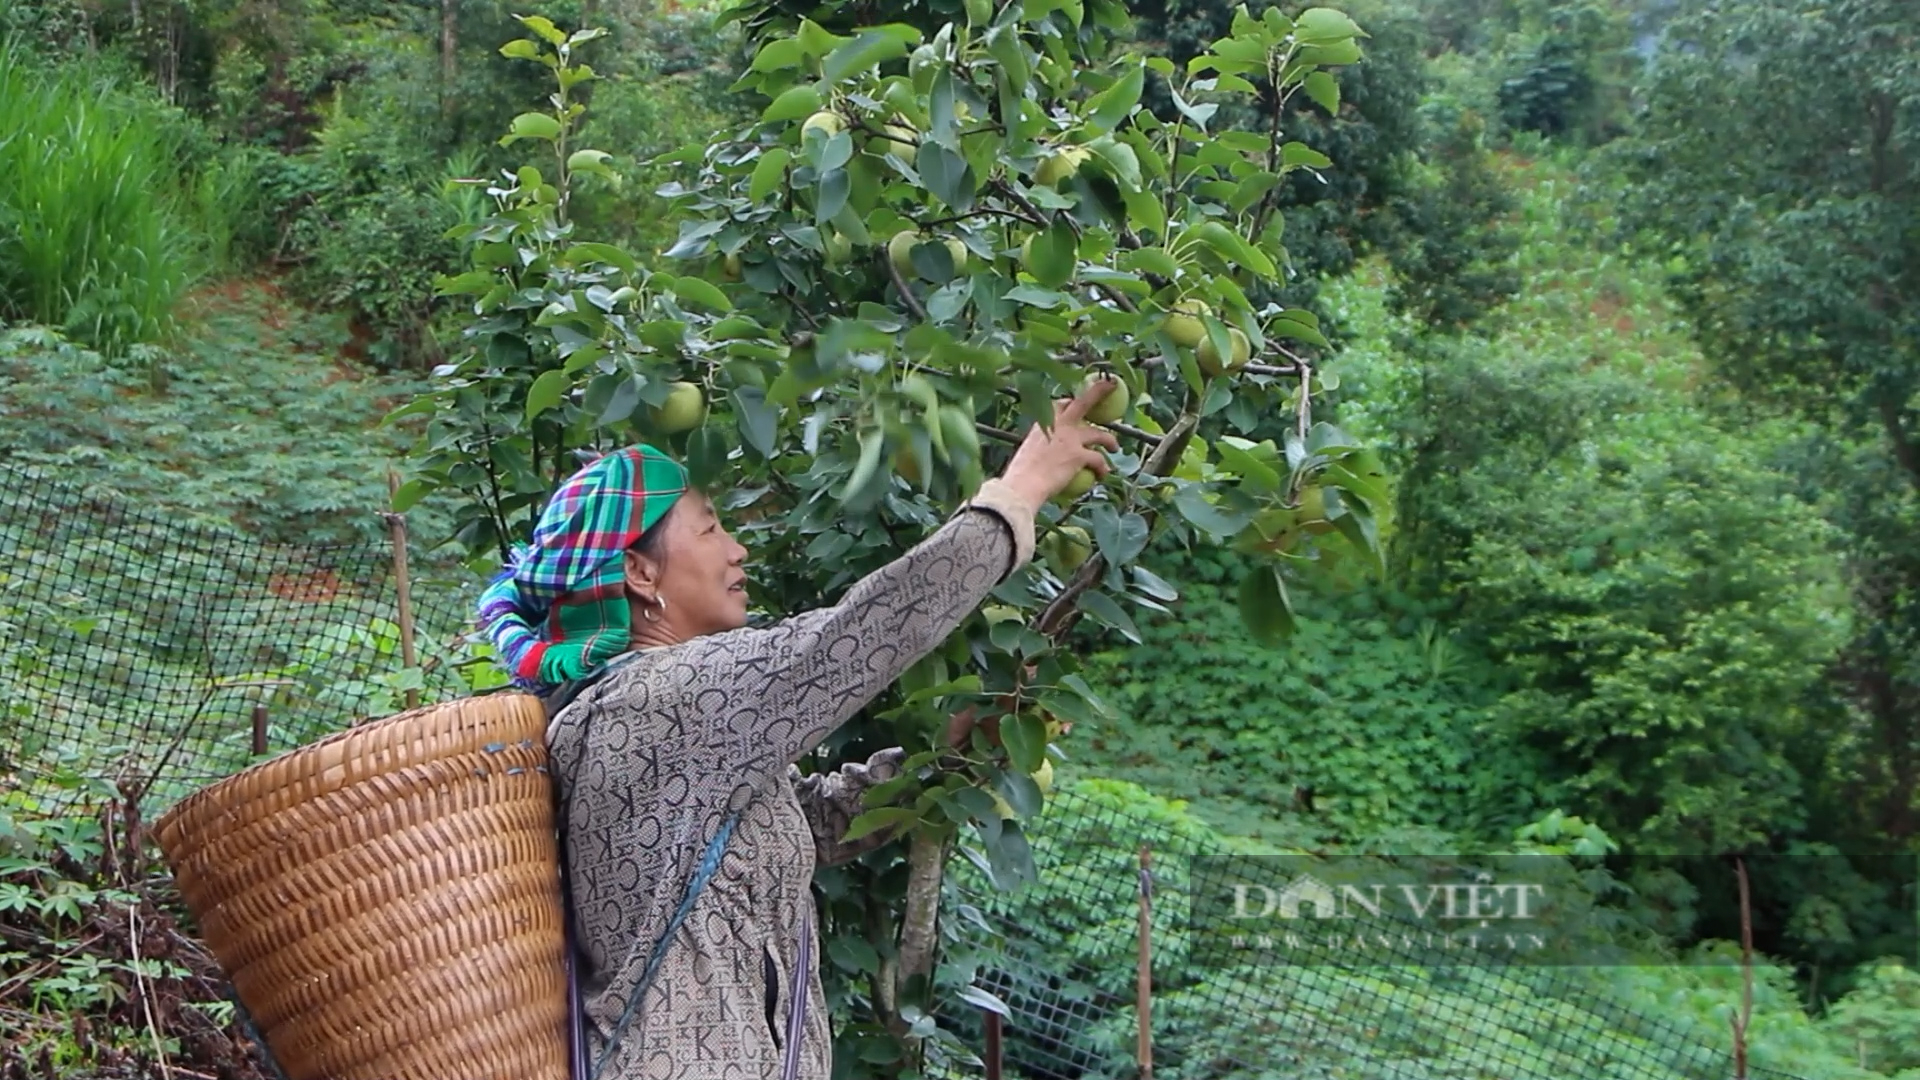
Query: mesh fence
1062, 955
138, 648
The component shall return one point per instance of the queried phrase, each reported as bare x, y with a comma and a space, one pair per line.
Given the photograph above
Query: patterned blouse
651, 759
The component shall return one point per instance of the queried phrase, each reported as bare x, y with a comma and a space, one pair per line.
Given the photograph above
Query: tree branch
1057, 617
900, 283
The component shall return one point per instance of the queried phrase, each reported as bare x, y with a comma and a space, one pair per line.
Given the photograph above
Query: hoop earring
652, 615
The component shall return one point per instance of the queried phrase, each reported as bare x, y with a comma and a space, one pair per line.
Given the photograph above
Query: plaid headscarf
558, 611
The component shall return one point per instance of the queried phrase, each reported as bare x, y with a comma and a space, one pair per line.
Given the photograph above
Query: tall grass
92, 239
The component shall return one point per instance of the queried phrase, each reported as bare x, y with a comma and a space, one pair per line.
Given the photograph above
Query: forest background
1625, 292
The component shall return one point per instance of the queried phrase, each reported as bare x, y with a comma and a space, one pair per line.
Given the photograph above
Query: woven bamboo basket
387, 899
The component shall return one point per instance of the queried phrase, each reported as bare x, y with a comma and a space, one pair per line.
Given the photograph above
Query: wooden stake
993, 1045
1143, 984
397, 529
259, 730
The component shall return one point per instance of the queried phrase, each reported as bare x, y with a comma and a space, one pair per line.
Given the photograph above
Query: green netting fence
141, 649
1064, 957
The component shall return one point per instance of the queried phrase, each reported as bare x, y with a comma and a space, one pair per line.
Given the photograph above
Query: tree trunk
449, 52
920, 922
1904, 450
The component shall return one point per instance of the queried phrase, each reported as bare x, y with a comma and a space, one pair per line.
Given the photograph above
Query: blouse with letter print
652, 758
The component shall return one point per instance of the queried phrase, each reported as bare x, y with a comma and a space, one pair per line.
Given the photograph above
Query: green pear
826, 122
1113, 406
1209, 357
1184, 325
685, 409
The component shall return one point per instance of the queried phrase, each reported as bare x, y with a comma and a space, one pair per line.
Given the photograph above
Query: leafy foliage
260, 425
1793, 252
1368, 727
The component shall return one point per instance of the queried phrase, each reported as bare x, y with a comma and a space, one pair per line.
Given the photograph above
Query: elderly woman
689, 834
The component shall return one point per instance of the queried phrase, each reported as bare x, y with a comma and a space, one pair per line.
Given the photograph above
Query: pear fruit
1112, 407
1313, 510
907, 464
900, 140
1060, 165
1043, 776
1184, 325
827, 122
1067, 548
685, 409
1081, 483
1209, 357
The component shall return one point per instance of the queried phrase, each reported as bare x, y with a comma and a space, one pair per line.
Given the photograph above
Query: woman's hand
1048, 460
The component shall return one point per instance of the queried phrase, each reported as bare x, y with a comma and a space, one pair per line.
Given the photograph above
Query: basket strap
709, 863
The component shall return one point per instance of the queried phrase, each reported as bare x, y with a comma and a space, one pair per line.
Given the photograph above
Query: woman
675, 728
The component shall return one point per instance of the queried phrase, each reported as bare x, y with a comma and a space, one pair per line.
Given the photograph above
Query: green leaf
984, 1000
591, 161
546, 392
1103, 609
410, 494
831, 195
1319, 26
1010, 857
521, 49
1192, 504
533, 125
947, 175
1025, 737
701, 294
769, 174
706, 456
872, 440
1121, 539
816, 39
1235, 247
1297, 153
543, 26
1251, 190
853, 954
1257, 465
758, 420
1054, 254
1324, 89
864, 53
778, 55
1297, 331
1114, 104
586, 252
1017, 787
1265, 607
1119, 159
872, 821
797, 102
1151, 260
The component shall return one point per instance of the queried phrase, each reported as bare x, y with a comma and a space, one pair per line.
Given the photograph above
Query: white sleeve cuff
998, 496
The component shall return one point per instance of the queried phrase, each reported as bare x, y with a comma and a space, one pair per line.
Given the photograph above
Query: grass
89, 238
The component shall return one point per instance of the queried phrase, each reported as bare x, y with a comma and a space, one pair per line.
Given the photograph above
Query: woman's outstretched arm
760, 698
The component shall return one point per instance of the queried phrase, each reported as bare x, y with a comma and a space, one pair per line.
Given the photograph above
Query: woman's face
698, 574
